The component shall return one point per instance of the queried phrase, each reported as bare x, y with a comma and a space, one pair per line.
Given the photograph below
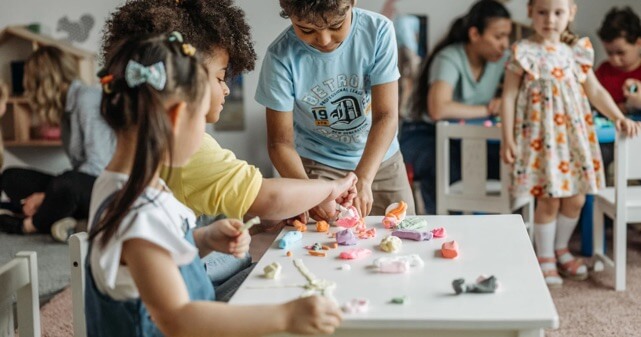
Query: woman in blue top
458, 82
50, 204
330, 86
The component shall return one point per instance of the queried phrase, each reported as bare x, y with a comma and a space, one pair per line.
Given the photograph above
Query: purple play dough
346, 238
411, 234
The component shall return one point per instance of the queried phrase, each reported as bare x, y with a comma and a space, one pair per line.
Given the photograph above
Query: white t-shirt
156, 217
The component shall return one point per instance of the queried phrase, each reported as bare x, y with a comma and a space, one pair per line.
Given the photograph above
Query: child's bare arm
381, 134
602, 101
283, 198
600, 98
280, 144
163, 291
511, 85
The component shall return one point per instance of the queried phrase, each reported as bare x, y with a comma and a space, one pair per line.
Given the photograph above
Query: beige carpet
588, 308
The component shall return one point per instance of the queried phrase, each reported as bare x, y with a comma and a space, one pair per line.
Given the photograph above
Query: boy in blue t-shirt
330, 86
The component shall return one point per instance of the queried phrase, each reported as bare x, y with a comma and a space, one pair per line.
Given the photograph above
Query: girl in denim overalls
144, 274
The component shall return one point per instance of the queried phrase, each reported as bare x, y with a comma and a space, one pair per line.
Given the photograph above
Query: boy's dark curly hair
314, 11
206, 24
620, 23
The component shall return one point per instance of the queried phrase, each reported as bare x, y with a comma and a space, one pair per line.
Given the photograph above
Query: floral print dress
557, 151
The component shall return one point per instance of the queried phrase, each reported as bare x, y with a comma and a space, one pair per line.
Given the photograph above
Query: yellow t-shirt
214, 182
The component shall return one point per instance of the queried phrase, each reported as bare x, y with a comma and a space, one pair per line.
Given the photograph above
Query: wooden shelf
33, 142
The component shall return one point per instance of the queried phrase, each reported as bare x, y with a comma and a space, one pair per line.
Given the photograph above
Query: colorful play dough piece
289, 239
412, 223
449, 250
322, 226
272, 271
301, 227
355, 254
412, 234
399, 300
317, 253
348, 217
397, 209
483, 285
439, 233
249, 224
413, 260
394, 266
346, 238
390, 222
391, 244
356, 306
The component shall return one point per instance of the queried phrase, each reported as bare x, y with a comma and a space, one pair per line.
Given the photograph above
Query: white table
492, 245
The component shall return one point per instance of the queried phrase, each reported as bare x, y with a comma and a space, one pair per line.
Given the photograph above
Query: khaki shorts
390, 183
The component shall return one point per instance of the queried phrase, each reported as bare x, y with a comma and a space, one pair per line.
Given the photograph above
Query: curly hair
314, 11
206, 24
620, 23
47, 73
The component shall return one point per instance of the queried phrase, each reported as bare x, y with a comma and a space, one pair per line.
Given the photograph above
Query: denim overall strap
108, 317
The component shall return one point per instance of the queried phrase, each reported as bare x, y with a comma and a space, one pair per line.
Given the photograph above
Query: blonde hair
47, 75
567, 37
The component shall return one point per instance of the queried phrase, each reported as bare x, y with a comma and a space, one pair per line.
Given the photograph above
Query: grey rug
53, 259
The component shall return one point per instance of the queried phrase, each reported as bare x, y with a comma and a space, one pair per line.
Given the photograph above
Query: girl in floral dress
548, 132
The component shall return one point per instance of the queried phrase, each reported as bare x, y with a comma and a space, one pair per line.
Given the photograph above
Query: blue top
330, 93
451, 66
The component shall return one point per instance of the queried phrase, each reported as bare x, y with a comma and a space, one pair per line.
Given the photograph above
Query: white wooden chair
474, 192
622, 203
77, 254
20, 277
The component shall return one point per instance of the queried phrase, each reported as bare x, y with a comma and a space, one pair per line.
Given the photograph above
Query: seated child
621, 37
144, 274
620, 34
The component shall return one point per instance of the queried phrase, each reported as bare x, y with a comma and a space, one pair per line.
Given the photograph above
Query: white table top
492, 245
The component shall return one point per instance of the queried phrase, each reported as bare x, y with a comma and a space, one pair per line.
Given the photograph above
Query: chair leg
620, 246
597, 237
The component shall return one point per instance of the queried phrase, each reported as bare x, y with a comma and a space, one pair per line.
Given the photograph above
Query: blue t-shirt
330, 93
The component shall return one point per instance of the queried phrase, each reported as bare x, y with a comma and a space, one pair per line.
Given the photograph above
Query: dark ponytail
479, 16
143, 108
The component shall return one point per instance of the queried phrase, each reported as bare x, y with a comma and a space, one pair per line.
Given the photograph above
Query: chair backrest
627, 166
20, 277
474, 140
77, 254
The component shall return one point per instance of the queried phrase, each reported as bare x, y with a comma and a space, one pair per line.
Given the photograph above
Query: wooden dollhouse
16, 44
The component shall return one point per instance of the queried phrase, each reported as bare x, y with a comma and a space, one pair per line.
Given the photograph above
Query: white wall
266, 24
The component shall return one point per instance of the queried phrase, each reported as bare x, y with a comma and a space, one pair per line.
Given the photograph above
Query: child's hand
343, 193
494, 107
632, 92
347, 189
508, 151
312, 315
224, 236
628, 127
325, 211
304, 218
31, 203
363, 202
